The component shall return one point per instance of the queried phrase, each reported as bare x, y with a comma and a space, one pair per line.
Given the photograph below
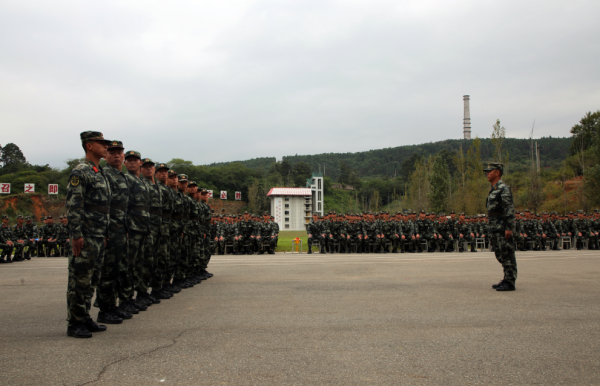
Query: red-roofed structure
289, 192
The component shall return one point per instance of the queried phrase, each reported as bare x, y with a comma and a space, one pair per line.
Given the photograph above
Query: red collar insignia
95, 169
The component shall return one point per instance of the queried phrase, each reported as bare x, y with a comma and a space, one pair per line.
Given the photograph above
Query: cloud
219, 81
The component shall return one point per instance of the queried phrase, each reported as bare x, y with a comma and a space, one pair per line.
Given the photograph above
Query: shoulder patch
74, 180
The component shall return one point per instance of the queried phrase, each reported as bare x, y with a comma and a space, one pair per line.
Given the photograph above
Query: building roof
289, 192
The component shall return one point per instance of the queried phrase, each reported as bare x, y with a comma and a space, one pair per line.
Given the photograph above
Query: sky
212, 81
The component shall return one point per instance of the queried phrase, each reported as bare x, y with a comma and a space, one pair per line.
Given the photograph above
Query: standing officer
88, 208
160, 281
501, 214
113, 273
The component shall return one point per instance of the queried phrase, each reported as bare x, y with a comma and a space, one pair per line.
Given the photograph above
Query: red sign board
223, 195
4, 188
238, 196
29, 188
52, 188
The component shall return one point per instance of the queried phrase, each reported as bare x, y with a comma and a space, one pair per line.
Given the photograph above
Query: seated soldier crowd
25, 240
409, 232
245, 234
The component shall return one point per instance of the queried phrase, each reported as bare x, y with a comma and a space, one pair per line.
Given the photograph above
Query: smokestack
467, 120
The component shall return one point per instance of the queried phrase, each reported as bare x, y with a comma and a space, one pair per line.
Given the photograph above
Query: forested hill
389, 161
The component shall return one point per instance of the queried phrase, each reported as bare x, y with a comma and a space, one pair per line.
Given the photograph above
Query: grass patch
286, 240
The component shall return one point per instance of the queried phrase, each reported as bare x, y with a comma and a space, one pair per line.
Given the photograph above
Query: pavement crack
133, 357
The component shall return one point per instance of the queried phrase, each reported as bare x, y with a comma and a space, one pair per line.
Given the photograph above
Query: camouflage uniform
501, 214
19, 233
154, 223
49, 231
6, 234
580, 225
31, 233
161, 279
113, 274
88, 203
62, 235
314, 232
138, 219
175, 233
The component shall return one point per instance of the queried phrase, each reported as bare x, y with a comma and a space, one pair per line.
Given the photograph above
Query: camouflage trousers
193, 257
205, 257
161, 268
505, 254
83, 279
113, 271
146, 267
548, 241
174, 253
226, 239
49, 247
6, 251
135, 264
182, 262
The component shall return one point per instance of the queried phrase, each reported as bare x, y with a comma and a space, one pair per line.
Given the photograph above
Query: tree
439, 180
376, 201
345, 172
419, 187
11, 154
408, 166
500, 155
585, 131
301, 172
286, 170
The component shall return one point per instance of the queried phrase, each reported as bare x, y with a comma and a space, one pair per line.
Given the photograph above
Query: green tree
439, 180
11, 154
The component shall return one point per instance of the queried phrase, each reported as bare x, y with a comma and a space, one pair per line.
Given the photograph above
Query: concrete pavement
321, 319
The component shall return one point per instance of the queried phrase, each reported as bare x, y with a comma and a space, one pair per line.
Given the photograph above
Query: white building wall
289, 212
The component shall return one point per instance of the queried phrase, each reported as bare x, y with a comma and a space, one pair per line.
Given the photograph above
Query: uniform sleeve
75, 193
508, 209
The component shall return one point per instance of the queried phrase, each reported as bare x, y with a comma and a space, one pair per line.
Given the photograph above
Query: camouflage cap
87, 136
115, 145
161, 166
203, 190
192, 183
5, 217
49, 217
494, 166
133, 153
182, 177
544, 212
172, 173
147, 161
266, 214
246, 212
596, 210
579, 211
27, 218
19, 217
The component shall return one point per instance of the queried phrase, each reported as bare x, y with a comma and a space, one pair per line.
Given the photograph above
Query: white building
291, 207
315, 183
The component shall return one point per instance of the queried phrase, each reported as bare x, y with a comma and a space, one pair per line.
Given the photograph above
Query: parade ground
393, 319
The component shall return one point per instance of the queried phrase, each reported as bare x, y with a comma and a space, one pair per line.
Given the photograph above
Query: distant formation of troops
245, 234
25, 240
415, 233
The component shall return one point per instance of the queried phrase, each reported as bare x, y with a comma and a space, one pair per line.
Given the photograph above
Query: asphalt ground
393, 319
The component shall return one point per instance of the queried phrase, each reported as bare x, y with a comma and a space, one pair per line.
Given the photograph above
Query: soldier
580, 229
88, 208
313, 229
48, 237
549, 232
205, 232
160, 281
246, 229
62, 236
19, 237
138, 219
175, 232
275, 229
31, 234
181, 269
114, 268
595, 230
501, 213
6, 243
196, 248
267, 233
464, 233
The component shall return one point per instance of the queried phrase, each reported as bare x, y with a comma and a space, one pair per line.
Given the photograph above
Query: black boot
78, 331
309, 249
109, 317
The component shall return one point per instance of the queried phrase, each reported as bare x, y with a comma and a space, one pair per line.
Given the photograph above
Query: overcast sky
212, 81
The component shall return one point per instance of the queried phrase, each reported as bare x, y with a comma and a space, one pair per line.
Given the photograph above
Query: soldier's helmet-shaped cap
182, 177
87, 136
246, 212
172, 173
133, 153
49, 217
579, 211
203, 190
494, 166
147, 161
5, 217
192, 183
115, 145
160, 166
20, 217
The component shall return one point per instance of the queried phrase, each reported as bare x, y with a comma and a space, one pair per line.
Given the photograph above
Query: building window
287, 212
287, 226
287, 205
319, 181
287, 219
319, 209
319, 196
287, 199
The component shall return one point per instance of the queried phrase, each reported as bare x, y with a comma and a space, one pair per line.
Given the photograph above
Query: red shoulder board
95, 169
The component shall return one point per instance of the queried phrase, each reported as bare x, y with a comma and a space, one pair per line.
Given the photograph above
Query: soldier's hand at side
508, 234
543, 235
579, 234
403, 238
309, 236
77, 246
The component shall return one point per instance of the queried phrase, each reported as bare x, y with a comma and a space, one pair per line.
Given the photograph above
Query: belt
495, 213
139, 207
97, 208
155, 210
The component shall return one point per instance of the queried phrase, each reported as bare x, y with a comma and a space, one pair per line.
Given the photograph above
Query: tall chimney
467, 120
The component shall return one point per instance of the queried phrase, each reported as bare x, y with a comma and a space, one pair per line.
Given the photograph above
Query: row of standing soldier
147, 228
